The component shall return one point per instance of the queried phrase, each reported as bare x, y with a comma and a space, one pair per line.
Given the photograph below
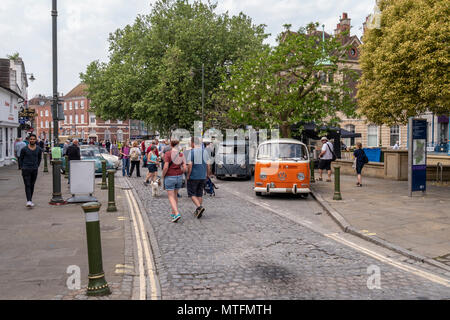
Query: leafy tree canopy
405, 62
296, 81
154, 69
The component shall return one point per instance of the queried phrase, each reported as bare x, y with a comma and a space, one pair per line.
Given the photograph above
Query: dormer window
353, 52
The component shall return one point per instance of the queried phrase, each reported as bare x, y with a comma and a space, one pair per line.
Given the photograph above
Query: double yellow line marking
143, 250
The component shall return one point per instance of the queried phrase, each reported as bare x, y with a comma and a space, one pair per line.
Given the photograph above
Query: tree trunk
285, 131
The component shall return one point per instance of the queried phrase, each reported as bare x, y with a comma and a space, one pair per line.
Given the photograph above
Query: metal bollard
45, 162
337, 183
111, 192
66, 169
311, 165
56, 172
104, 186
97, 285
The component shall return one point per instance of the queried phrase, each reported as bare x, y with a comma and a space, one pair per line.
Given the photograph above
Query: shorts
359, 168
325, 164
195, 188
152, 168
173, 182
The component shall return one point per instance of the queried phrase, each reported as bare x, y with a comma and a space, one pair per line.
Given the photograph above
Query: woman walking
360, 160
115, 149
174, 167
152, 165
125, 154
135, 158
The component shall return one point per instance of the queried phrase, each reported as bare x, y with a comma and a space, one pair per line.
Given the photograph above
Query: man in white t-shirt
326, 157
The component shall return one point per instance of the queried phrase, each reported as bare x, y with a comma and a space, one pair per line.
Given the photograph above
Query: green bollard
104, 186
111, 196
97, 285
45, 162
56, 173
337, 183
311, 166
66, 169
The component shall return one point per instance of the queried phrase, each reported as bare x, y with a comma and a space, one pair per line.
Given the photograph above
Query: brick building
80, 122
43, 121
371, 135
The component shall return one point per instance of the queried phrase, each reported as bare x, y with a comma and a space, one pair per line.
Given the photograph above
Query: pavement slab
420, 223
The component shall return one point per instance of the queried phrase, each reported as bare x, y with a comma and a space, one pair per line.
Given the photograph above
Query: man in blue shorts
198, 170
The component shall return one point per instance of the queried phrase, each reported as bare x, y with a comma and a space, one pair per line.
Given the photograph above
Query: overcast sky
84, 26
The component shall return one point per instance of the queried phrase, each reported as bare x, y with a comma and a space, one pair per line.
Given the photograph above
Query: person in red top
174, 167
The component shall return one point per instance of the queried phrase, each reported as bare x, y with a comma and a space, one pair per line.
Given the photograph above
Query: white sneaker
32, 204
29, 204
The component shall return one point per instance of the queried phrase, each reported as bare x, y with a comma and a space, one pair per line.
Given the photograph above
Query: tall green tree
295, 81
405, 62
154, 68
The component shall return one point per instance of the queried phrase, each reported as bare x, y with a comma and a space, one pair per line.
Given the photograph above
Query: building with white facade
13, 96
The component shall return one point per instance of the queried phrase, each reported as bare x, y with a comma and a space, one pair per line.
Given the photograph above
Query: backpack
134, 156
332, 152
365, 158
209, 187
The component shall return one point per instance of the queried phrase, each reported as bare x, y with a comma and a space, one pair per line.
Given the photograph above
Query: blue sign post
417, 155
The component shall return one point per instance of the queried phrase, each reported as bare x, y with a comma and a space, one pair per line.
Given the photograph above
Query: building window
395, 135
120, 135
372, 136
107, 135
350, 141
82, 118
119, 122
92, 119
70, 119
108, 122
46, 113
42, 124
76, 119
65, 105
65, 119
82, 104
76, 104
42, 113
46, 124
70, 105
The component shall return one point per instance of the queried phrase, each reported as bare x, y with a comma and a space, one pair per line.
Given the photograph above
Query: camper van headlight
263, 176
301, 176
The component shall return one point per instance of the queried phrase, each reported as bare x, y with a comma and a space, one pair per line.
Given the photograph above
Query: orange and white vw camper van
282, 166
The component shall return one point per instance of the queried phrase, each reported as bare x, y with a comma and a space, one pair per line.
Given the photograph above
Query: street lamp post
55, 72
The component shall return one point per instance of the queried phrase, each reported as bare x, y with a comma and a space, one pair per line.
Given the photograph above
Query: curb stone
348, 228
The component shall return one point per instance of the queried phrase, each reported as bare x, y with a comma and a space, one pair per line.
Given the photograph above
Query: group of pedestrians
327, 156
174, 164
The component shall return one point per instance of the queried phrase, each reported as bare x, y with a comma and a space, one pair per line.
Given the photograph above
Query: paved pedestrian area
38, 245
383, 208
239, 250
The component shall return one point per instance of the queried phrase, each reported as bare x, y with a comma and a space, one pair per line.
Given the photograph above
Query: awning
349, 134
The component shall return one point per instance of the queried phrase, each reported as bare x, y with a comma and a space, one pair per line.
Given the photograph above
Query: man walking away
198, 170
29, 161
326, 157
17, 148
73, 153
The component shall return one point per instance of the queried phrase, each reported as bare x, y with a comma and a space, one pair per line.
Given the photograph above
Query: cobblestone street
239, 250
